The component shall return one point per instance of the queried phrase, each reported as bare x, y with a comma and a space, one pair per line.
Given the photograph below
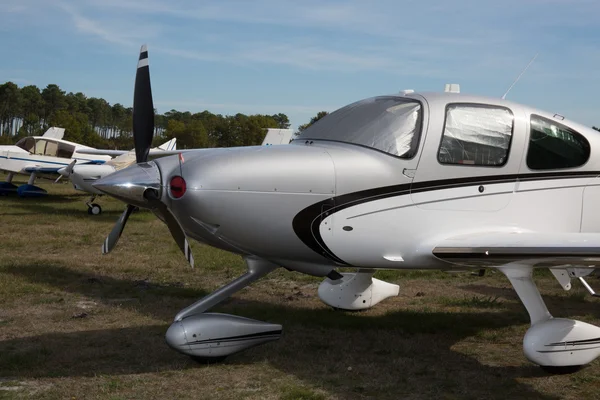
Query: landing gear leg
210, 337
30, 190
8, 187
558, 345
93, 208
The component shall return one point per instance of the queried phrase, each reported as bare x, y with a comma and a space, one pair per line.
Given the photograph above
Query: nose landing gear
93, 208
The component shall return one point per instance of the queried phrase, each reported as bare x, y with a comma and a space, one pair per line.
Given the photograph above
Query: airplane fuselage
316, 204
15, 159
414, 180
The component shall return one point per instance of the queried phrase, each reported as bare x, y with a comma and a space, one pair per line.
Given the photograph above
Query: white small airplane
411, 180
83, 176
41, 156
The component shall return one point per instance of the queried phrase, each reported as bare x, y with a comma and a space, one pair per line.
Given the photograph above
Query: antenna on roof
520, 75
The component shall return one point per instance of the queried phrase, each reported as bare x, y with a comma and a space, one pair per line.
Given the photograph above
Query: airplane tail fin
170, 145
55, 133
277, 136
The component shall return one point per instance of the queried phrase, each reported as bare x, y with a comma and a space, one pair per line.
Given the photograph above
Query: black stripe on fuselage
575, 342
259, 335
306, 223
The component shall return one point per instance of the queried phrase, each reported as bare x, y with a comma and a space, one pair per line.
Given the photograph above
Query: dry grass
447, 336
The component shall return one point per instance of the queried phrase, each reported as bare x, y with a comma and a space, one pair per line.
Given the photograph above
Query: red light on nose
177, 187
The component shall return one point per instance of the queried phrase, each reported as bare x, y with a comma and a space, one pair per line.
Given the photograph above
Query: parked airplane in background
404, 181
83, 176
41, 156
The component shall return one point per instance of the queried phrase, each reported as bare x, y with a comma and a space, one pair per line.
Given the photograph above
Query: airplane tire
94, 209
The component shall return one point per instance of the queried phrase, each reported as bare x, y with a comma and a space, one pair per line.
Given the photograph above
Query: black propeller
143, 131
143, 109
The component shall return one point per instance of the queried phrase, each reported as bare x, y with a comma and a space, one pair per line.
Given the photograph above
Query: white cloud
431, 39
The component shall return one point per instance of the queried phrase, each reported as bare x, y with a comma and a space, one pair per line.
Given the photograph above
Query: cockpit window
476, 134
27, 144
391, 124
553, 145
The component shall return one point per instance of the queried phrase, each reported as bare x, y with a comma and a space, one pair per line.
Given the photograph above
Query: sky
302, 57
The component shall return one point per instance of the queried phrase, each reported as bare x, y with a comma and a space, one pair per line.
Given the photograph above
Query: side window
553, 145
40, 146
476, 134
51, 148
65, 150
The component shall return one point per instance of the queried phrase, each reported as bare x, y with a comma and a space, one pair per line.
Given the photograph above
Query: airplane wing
42, 170
153, 152
18, 169
273, 136
102, 152
165, 149
532, 248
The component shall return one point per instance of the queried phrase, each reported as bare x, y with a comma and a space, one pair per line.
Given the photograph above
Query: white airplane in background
41, 156
83, 176
411, 180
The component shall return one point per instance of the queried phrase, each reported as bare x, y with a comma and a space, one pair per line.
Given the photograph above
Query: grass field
78, 325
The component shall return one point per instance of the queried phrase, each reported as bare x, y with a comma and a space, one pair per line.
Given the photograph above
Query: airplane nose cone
63, 172
129, 184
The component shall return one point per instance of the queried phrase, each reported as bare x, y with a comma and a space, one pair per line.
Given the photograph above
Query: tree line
92, 121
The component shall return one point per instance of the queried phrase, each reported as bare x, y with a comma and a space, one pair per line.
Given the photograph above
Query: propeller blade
161, 210
115, 234
143, 109
69, 169
178, 234
66, 171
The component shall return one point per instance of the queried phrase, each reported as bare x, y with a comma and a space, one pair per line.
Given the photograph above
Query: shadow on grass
396, 355
14, 200
77, 210
575, 302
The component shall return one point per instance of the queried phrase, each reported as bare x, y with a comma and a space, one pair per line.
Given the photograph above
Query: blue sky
301, 57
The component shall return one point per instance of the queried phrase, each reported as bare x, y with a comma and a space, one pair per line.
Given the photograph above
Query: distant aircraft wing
112, 153
167, 148
42, 170
153, 152
273, 136
533, 248
19, 169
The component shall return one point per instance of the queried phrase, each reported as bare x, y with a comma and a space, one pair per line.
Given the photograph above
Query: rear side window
554, 146
476, 134
65, 150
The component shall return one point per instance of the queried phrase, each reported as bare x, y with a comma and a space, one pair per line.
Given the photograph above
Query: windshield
391, 124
